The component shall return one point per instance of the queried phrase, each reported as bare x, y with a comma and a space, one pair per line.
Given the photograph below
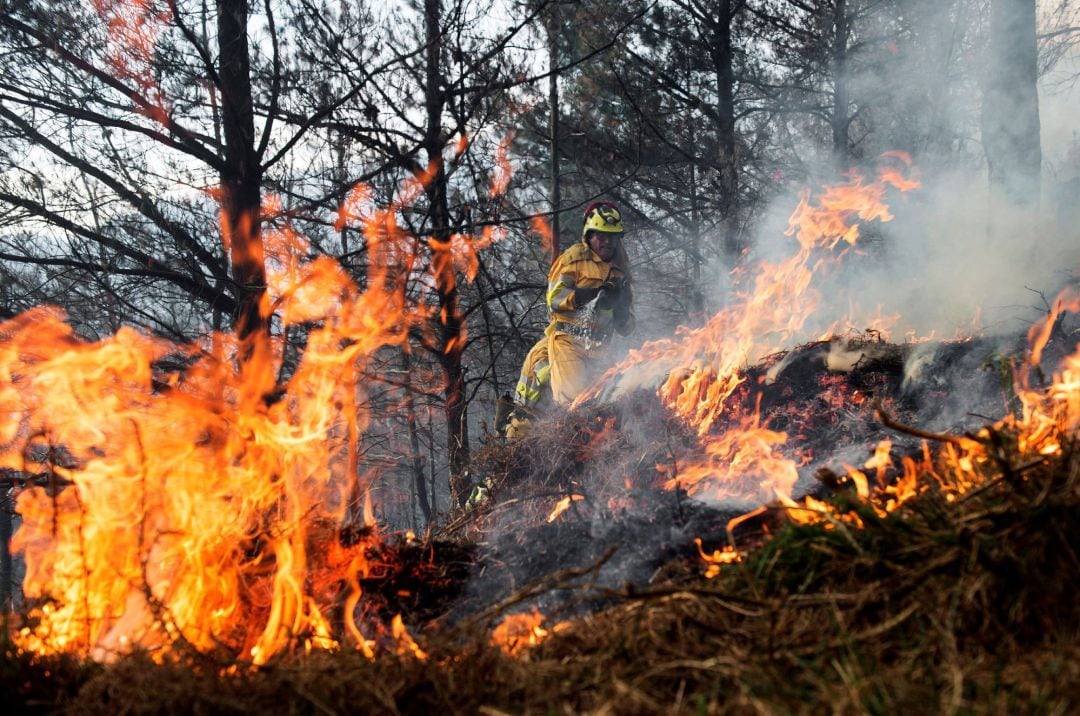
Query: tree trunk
450, 319
1010, 112
695, 299
241, 179
415, 458
553, 129
725, 125
840, 121
7, 570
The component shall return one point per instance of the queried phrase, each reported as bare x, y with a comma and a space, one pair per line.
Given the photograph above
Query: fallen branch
562, 579
892, 423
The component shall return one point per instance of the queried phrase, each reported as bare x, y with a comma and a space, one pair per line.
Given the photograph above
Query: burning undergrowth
603, 482
587, 496
834, 511
960, 598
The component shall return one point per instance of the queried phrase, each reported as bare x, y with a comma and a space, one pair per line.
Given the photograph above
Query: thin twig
739, 605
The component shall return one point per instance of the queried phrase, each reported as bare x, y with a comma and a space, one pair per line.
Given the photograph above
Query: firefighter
589, 297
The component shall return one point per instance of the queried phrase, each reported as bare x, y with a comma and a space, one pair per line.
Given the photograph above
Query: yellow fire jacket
580, 267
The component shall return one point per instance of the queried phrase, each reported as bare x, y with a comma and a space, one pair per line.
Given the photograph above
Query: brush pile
594, 480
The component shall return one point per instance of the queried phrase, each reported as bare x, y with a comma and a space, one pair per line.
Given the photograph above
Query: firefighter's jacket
580, 267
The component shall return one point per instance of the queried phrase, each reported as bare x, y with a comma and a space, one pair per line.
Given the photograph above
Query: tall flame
773, 306
189, 509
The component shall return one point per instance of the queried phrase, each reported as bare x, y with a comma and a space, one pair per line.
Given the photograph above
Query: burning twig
890, 422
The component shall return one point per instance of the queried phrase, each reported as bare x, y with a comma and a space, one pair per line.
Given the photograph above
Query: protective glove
583, 296
611, 295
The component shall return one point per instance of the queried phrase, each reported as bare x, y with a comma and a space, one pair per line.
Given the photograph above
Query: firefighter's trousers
572, 366
532, 389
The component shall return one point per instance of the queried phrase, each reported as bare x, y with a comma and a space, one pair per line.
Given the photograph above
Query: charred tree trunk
553, 128
723, 66
1010, 112
452, 327
241, 177
453, 343
840, 121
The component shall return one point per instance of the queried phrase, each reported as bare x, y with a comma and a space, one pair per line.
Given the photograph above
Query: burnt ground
625, 532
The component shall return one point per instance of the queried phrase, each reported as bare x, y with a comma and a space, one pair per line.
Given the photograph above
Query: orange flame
542, 228
192, 509
719, 557
201, 510
518, 632
405, 642
500, 179
197, 502
741, 464
562, 506
133, 29
461, 144
704, 365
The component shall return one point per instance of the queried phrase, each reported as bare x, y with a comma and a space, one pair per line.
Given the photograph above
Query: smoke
951, 261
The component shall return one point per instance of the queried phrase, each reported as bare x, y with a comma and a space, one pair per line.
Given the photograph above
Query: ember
563, 505
518, 632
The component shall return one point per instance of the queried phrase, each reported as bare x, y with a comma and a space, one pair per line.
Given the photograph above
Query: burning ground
626, 476
957, 594
850, 524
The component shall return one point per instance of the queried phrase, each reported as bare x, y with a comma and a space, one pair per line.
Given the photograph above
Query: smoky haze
968, 252
948, 263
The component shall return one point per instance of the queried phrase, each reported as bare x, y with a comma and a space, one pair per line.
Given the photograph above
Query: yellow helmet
602, 216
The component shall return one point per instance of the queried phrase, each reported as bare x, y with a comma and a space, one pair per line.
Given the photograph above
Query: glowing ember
727, 555
562, 506
518, 632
